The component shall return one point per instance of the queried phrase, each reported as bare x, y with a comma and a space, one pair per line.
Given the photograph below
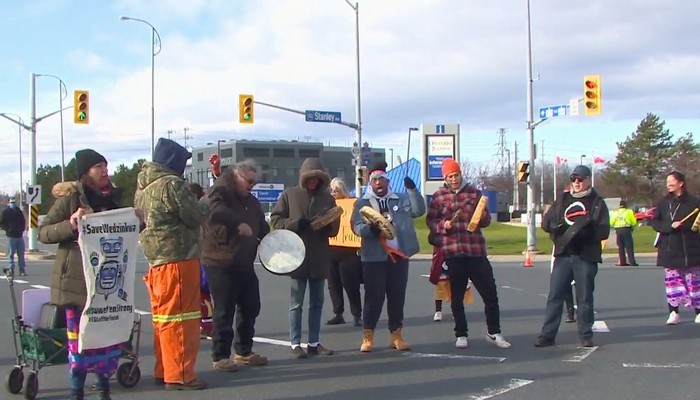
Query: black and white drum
281, 252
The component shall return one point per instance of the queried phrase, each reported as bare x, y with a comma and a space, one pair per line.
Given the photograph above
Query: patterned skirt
683, 287
102, 361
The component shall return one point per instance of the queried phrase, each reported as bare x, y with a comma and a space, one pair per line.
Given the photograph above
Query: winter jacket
678, 247
173, 215
298, 203
222, 246
13, 222
67, 277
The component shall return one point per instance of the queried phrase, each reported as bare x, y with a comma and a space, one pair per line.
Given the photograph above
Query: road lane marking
274, 342
454, 357
142, 312
40, 287
600, 326
650, 365
512, 288
582, 353
489, 393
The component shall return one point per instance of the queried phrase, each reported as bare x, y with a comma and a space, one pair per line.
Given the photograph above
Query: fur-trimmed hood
64, 189
313, 168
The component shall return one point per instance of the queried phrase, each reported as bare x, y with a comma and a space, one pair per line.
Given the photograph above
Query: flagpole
556, 161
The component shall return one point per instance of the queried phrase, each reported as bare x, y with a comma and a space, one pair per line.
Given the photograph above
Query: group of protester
187, 235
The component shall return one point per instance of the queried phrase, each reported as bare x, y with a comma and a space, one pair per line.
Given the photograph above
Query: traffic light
246, 113
363, 175
523, 171
591, 95
81, 107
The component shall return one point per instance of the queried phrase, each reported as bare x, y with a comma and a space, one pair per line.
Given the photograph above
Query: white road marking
39, 286
489, 393
512, 288
454, 357
545, 295
582, 353
15, 280
649, 365
600, 326
274, 342
142, 312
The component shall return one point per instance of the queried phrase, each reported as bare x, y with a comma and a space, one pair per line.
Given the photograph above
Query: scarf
580, 195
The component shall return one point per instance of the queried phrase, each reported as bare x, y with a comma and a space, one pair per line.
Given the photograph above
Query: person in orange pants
171, 244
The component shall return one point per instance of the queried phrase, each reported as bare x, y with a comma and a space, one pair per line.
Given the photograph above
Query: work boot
298, 352
318, 350
397, 341
192, 385
571, 315
367, 340
357, 321
225, 365
337, 320
104, 395
252, 359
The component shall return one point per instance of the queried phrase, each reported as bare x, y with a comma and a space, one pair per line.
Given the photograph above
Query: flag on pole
561, 160
598, 160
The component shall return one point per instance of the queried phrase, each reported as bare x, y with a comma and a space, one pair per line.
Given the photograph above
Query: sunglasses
576, 178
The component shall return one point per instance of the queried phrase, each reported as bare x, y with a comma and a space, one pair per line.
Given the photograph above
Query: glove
408, 183
304, 224
375, 229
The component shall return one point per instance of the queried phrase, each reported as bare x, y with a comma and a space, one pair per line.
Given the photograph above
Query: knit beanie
449, 166
85, 159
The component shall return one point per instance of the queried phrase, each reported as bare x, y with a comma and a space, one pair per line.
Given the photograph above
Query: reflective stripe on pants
175, 307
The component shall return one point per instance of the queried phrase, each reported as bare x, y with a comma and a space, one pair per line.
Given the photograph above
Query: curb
33, 256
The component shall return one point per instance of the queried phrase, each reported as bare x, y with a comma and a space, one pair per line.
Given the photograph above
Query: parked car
644, 216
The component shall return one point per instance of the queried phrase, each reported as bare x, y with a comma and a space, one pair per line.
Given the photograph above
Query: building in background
279, 160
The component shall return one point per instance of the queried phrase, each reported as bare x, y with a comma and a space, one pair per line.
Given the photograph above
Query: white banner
109, 243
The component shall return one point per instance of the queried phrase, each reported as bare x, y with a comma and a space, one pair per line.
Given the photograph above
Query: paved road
639, 358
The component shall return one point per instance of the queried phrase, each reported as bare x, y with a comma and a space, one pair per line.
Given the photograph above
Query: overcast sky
422, 61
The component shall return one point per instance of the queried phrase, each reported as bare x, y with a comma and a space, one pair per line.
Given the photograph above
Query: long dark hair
680, 177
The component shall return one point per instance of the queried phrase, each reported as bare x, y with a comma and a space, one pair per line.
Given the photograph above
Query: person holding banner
171, 244
345, 272
456, 215
206, 307
388, 240
93, 192
295, 209
230, 243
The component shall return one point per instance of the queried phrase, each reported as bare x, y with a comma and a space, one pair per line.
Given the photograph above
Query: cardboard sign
346, 237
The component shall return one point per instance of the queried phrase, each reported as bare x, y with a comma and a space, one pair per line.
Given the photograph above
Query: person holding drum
384, 221
294, 211
345, 272
676, 220
456, 215
229, 246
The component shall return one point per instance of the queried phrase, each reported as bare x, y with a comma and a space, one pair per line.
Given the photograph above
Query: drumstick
454, 217
689, 215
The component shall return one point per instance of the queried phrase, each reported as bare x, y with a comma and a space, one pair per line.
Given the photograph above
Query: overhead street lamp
580, 159
358, 108
20, 125
154, 53
63, 93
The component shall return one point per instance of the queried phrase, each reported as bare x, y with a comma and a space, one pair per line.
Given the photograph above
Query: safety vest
623, 218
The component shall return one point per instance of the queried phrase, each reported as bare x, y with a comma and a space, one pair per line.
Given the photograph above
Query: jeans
16, 246
566, 269
316, 289
77, 382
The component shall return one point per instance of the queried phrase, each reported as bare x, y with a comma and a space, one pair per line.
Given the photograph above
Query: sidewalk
535, 257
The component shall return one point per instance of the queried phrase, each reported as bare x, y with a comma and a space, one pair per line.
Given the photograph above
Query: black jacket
676, 247
587, 242
12, 222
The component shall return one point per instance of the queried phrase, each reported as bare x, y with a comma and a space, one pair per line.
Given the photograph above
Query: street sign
322, 116
554, 111
33, 194
573, 107
268, 192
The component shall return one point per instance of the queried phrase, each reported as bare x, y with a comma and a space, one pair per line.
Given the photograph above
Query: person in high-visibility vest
624, 222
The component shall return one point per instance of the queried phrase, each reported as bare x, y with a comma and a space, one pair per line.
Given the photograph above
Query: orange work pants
175, 309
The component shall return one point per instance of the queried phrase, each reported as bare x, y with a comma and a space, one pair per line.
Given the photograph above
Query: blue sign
268, 192
366, 155
322, 116
435, 166
554, 111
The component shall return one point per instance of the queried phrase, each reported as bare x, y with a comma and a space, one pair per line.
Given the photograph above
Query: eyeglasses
577, 178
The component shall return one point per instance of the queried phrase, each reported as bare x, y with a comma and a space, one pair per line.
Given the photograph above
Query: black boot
337, 320
357, 320
571, 315
104, 395
77, 395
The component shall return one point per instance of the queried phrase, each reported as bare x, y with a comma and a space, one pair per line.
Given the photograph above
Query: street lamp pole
358, 108
218, 148
580, 159
154, 53
391, 150
531, 228
20, 125
63, 93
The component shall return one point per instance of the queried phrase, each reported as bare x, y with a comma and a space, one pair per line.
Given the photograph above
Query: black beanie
379, 166
85, 159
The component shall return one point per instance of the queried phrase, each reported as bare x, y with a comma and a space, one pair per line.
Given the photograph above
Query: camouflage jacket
173, 216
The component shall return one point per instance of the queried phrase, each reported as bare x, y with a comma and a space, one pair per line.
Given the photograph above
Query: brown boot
367, 340
397, 341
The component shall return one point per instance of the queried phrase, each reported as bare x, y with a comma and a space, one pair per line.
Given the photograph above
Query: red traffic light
590, 84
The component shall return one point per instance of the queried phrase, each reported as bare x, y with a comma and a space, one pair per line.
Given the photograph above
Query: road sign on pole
268, 192
33, 194
322, 116
554, 111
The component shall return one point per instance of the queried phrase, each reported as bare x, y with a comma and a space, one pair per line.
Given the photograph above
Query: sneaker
192, 385
587, 342
319, 350
438, 316
544, 342
357, 321
298, 352
252, 359
25, 274
497, 340
461, 342
225, 365
674, 318
337, 320
570, 317
697, 319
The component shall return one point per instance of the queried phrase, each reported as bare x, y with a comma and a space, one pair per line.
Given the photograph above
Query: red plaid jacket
457, 241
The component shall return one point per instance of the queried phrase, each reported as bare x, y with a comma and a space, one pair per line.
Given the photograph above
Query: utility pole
541, 175
170, 133
33, 242
509, 172
516, 189
185, 136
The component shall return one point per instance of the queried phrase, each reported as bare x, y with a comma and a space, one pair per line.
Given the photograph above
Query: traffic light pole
531, 211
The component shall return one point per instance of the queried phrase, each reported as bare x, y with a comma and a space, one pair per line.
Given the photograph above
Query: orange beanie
449, 166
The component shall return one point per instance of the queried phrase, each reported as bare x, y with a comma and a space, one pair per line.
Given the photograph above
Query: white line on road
274, 342
600, 326
15, 281
582, 353
512, 288
142, 312
425, 276
454, 357
649, 365
39, 287
489, 393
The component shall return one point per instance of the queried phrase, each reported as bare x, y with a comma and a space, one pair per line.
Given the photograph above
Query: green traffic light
82, 116
246, 117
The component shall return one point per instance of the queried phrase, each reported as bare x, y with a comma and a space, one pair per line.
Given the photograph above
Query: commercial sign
438, 147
